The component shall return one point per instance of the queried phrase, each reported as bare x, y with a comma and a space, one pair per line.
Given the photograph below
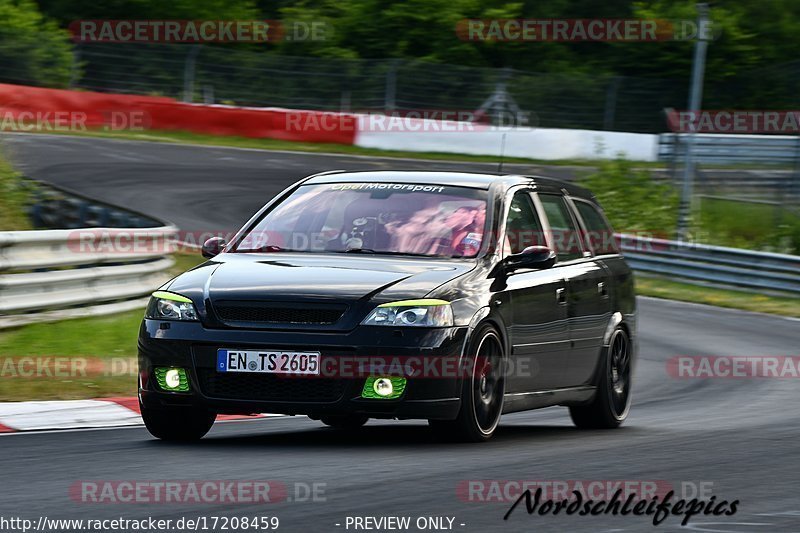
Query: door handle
602, 290
561, 295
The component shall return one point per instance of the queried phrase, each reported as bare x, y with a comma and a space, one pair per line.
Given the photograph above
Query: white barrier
422, 135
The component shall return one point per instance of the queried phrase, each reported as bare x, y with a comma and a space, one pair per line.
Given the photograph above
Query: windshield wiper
358, 251
382, 252
262, 249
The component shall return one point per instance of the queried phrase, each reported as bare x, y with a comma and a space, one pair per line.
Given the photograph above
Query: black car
451, 297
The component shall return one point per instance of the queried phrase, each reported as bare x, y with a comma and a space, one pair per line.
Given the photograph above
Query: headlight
170, 306
425, 313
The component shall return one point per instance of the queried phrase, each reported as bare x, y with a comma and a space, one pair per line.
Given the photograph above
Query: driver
468, 230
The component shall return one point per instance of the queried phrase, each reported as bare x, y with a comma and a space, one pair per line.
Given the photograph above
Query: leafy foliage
749, 62
33, 49
633, 200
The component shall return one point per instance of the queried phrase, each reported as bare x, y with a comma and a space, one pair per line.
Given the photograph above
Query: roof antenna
502, 152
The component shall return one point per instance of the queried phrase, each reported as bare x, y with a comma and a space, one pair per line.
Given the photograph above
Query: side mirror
534, 257
213, 246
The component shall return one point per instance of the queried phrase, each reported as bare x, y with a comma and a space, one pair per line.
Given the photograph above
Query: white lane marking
129, 426
35, 416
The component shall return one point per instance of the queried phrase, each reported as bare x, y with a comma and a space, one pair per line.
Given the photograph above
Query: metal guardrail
28, 250
57, 269
718, 265
731, 149
36, 278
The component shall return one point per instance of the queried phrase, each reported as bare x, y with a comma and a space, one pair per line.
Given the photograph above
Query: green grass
14, 200
98, 340
685, 292
755, 226
186, 260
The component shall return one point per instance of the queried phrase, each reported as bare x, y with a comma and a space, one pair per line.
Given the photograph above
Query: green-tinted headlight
426, 312
172, 379
383, 388
170, 306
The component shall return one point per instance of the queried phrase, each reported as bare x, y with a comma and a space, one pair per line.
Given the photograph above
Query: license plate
268, 361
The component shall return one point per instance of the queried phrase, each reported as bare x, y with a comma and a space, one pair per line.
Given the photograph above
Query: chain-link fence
215, 74
249, 77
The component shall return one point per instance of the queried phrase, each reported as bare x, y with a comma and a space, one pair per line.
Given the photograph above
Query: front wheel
612, 402
178, 423
482, 391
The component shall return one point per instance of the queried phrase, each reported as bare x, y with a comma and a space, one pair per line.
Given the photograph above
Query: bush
632, 200
34, 50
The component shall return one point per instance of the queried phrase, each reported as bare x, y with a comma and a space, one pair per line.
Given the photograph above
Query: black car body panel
554, 322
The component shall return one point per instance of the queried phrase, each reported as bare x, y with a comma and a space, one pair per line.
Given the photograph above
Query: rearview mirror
534, 257
213, 246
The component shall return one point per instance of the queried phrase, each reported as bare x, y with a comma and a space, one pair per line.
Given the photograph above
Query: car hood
354, 282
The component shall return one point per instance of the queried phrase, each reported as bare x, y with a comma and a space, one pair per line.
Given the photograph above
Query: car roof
475, 180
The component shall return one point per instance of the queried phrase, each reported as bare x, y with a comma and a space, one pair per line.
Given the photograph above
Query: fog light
172, 379
385, 388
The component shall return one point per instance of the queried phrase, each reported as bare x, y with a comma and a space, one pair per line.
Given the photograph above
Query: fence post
695, 97
208, 94
390, 93
345, 103
611, 103
75, 70
794, 182
188, 73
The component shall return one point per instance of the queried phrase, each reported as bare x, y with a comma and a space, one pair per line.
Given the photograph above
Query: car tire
178, 423
344, 421
611, 403
482, 392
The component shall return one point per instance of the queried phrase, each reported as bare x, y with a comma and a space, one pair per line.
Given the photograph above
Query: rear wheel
482, 391
344, 421
613, 399
178, 423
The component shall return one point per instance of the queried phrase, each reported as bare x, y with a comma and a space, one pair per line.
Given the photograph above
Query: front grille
269, 387
279, 313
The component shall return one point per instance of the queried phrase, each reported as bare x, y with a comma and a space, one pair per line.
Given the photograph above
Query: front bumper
428, 357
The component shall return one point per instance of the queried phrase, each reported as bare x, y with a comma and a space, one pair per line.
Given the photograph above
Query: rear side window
601, 236
566, 239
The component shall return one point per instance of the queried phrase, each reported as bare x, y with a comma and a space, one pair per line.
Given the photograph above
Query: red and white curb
79, 414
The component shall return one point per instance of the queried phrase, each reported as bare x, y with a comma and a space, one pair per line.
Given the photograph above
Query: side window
566, 238
522, 227
601, 236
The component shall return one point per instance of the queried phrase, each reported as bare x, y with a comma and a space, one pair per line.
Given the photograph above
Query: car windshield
373, 218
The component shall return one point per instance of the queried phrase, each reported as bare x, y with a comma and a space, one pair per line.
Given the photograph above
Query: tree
33, 49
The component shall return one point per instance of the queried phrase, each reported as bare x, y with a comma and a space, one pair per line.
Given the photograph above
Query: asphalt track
741, 435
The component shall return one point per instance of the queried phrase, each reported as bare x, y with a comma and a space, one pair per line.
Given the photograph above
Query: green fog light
383, 388
172, 379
